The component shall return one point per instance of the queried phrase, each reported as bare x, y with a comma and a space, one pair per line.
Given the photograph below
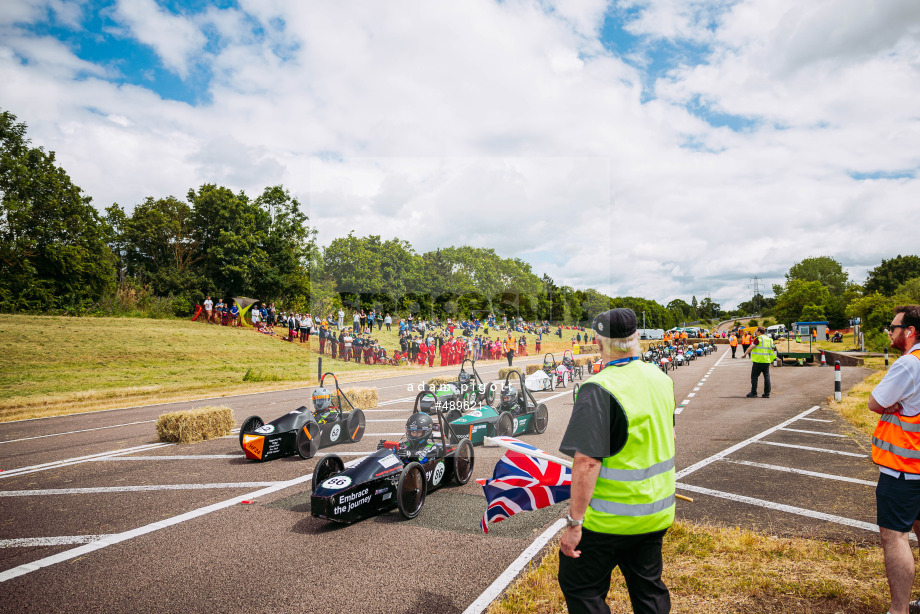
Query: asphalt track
98, 517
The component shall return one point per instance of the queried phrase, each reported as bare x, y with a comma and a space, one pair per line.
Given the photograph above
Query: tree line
59, 254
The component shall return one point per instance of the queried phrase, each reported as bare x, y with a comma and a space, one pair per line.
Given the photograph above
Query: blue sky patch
875, 175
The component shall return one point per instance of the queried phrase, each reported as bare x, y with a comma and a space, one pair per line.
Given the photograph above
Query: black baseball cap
616, 323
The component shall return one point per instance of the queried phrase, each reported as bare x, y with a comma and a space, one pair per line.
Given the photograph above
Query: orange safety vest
896, 440
746, 339
733, 341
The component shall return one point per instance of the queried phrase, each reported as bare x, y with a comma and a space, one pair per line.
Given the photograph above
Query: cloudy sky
656, 148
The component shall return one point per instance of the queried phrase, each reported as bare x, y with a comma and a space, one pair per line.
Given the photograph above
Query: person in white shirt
896, 451
341, 318
209, 309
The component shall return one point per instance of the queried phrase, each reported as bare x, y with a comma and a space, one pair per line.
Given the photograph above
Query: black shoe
752, 395
764, 396
914, 607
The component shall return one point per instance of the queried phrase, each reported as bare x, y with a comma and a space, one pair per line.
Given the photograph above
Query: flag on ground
522, 482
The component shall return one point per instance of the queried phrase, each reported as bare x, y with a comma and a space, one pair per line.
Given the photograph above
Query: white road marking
814, 432
719, 456
816, 420
116, 538
781, 507
815, 474
392, 401
387, 420
98, 428
178, 457
80, 459
679, 409
111, 489
64, 540
690, 395
697, 389
813, 449
495, 589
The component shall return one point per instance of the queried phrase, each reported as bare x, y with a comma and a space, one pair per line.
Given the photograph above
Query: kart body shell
380, 481
299, 432
524, 415
463, 393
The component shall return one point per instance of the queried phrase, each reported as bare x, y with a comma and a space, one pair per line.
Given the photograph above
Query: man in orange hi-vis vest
733, 341
745, 342
896, 451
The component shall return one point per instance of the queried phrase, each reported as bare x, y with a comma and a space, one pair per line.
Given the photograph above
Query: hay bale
362, 398
504, 371
440, 380
533, 368
192, 425
582, 361
589, 348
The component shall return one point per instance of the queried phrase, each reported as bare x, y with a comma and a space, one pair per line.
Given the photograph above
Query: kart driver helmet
322, 399
509, 395
418, 428
464, 377
567, 361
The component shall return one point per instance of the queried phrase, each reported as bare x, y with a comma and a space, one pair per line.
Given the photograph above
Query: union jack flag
521, 483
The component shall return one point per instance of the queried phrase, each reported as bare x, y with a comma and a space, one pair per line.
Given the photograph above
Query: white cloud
174, 38
507, 125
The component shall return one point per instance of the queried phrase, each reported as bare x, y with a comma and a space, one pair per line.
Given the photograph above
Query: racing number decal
335, 432
337, 482
438, 473
252, 444
516, 425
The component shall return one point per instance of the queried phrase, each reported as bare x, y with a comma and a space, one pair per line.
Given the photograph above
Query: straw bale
588, 348
362, 398
533, 368
193, 425
504, 371
440, 380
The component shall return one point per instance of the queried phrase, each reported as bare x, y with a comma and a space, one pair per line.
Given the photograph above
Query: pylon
823, 360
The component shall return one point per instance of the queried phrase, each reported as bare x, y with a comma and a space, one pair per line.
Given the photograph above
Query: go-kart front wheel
463, 462
356, 424
575, 392
411, 490
250, 424
565, 379
308, 439
552, 381
504, 427
488, 394
540, 418
327, 467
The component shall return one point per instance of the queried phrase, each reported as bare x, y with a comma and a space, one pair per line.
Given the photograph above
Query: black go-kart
304, 432
456, 397
400, 473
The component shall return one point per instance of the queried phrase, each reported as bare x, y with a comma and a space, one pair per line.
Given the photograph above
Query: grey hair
625, 345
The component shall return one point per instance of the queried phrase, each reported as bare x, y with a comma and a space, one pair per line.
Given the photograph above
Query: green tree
53, 248
799, 293
908, 293
886, 277
822, 269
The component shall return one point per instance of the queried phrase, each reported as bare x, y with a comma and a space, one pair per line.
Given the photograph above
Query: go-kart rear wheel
327, 467
448, 418
565, 379
463, 462
411, 490
505, 425
250, 424
308, 439
552, 381
575, 391
356, 424
540, 418
488, 394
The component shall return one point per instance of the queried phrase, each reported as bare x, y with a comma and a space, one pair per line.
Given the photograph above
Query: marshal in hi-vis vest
896, 440
764, 350
635, 490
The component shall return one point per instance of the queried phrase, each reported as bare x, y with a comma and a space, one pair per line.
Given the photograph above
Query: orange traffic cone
823, 360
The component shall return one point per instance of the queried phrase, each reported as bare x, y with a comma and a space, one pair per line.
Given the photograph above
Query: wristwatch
571, 522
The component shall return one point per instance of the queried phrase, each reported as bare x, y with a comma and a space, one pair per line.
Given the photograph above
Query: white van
776, 331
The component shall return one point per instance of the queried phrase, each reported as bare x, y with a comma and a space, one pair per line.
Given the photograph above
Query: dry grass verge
194, 425
362, 398
714, 570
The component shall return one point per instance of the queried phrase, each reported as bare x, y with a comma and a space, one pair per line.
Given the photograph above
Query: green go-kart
454, 398
517, 412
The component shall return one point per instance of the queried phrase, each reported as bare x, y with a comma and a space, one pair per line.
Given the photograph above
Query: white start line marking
813, 449
813, 432
144, 488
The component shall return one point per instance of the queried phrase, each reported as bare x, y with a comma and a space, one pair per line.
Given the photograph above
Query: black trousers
585, 581
756, 369
734, 349
509, 356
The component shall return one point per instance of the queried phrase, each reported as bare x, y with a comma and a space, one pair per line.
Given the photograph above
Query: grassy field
60, 365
